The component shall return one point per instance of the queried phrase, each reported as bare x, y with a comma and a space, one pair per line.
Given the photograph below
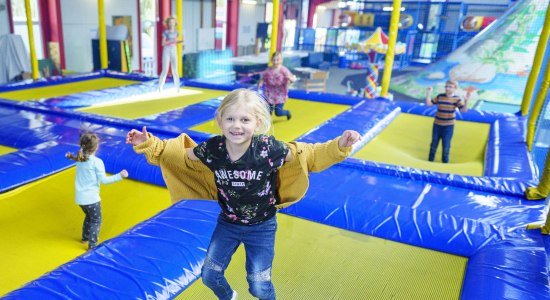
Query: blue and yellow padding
486, 226
54, 80
154, 260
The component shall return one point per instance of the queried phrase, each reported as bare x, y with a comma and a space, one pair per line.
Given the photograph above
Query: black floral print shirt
247, 187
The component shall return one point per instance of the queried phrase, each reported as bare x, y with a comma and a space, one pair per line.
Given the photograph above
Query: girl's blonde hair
250, 100
168, 20
88, 145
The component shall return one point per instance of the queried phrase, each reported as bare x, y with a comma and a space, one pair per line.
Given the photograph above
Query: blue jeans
279, 111
259, 244
445, 134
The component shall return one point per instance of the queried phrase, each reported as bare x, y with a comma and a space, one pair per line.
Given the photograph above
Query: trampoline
41, 226
401, 144
468, 231
65, 89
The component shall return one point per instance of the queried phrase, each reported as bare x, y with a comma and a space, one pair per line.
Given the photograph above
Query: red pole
59, 33
232, 24
282, 10
139, 34
10, 17
164, 12
45, 25
311, 12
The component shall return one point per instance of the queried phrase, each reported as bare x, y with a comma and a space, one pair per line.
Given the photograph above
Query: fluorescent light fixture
252, 2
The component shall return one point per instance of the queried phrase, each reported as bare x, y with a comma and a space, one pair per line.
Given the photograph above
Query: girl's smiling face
238, 125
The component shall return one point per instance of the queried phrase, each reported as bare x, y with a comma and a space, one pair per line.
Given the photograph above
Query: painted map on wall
494, 65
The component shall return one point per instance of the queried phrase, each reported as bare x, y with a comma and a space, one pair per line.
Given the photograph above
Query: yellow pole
392, 38
102, 35
537, 64
537, 107
34, 61
274, 30
179, 14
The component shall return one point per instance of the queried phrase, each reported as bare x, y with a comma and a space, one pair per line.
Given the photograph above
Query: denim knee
211, 273
260, 284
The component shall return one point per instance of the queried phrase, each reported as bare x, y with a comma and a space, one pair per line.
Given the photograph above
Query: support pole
34, 61
392, 39
274, 30
103, 56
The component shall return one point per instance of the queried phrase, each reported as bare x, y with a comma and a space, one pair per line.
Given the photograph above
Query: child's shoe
234, 297
288, 116
91, 246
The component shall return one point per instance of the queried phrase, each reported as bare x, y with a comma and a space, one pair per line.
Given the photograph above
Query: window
20, 25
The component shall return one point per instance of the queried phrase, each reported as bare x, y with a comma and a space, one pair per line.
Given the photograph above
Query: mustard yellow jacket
188, 179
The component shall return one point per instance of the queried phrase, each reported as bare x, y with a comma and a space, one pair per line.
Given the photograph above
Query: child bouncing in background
90, 172
170, 53
250, 174
276, 79
444, 121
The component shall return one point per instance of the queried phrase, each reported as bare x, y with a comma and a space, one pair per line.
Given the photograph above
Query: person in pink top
276, 79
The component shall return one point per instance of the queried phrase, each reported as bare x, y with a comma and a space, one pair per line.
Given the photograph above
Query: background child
90, 172
444, 121
243, 164
170, 53
277, 79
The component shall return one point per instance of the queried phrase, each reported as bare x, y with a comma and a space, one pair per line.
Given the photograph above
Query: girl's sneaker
234, 297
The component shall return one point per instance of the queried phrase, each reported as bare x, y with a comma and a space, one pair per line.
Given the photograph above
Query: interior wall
80, 24
249, 17
4, 20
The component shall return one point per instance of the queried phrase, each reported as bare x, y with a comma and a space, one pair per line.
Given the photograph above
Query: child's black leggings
92, 222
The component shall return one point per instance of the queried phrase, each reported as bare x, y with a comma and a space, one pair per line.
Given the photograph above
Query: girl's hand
124, 173
136, 137
348, 138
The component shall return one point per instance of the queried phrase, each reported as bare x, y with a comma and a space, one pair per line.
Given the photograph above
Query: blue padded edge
214, 86
156, 259
509, 269
325, 97
374, 116
90, 98
54, 80
183, 118
29, 164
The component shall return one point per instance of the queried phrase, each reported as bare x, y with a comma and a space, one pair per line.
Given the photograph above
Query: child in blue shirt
90, 172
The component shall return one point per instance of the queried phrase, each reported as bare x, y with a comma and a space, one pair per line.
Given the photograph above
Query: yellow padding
65, 89
41, 226
153, 103
6, 150
306, 115
314, 261
406, 142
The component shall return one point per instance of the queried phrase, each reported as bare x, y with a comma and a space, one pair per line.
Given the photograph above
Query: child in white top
90, 172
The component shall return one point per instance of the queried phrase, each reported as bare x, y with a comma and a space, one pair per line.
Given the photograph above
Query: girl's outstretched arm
136, 137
